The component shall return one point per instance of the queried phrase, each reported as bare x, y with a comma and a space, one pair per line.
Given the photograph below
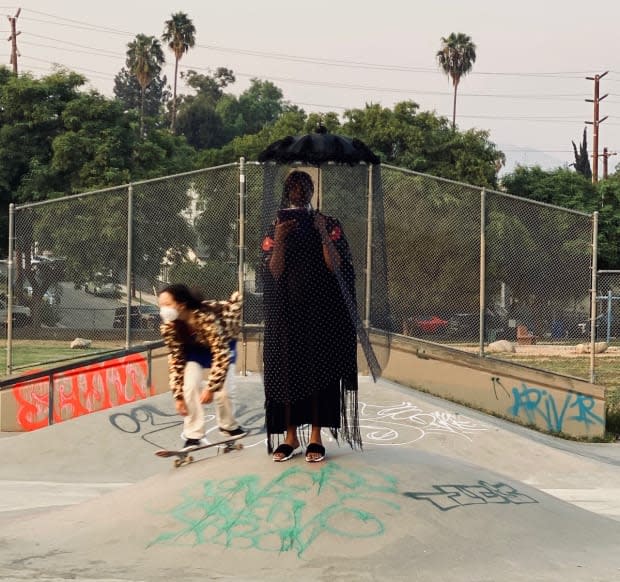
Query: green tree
72, 141
568, 189
456, 58
582, 158
180, 34
198, 117
561, 187
424, 142
128, 91
144, 59
30, 118
260, 105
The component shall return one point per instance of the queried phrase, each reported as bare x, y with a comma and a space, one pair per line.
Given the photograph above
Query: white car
103, 287
21, 314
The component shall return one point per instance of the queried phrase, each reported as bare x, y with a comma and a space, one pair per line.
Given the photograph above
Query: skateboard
184, 457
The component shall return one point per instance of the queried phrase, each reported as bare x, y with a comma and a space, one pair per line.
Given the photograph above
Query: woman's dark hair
182, 294
295, 178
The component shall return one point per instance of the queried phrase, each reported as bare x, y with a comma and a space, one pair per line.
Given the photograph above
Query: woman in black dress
310, 349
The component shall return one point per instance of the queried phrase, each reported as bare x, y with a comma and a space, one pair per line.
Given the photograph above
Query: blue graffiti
537, 403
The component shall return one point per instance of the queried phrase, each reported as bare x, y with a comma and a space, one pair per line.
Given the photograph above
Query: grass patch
41, 354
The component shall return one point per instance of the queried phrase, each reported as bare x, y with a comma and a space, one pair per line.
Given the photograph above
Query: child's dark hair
293, 179
191, 298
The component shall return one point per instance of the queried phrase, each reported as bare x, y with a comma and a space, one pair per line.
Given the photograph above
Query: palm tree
180, 36
456, 57
144, 60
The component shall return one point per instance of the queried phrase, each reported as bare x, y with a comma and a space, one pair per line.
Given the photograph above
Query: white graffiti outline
383, 424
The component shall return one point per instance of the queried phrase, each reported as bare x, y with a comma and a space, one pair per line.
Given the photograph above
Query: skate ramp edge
549, 402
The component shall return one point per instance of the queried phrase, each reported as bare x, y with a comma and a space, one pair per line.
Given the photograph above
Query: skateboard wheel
190, 459
177, 463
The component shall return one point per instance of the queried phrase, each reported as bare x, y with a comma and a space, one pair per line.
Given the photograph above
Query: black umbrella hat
317, 148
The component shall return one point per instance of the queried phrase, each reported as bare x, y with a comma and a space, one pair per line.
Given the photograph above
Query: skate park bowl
440, 491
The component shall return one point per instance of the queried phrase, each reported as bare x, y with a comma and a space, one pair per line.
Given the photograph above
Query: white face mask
168, 313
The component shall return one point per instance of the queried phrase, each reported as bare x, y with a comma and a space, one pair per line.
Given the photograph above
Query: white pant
194, 422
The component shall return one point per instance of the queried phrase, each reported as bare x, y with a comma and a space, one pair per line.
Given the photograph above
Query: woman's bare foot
286, 450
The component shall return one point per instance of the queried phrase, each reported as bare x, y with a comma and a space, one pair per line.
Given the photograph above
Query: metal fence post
593, 296
369, 243
241, 257
9, 315
610, 297
50, 400
483, 268
129, 278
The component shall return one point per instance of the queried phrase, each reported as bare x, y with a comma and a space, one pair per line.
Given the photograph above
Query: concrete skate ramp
439, 493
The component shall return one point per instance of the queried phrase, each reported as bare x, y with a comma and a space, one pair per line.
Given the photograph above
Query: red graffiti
82, 391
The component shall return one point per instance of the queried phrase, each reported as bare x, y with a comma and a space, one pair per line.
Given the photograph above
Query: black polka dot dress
309, 352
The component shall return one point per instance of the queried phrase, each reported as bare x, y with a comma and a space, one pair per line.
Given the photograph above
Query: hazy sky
527, 87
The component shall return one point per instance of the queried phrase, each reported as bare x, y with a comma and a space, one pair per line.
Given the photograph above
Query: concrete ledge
550, 402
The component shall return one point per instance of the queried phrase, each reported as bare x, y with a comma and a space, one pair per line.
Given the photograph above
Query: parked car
467, 326
103, 286
141, 317
21, 314
425, 324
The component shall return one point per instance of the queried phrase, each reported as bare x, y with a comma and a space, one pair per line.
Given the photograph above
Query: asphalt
439, 493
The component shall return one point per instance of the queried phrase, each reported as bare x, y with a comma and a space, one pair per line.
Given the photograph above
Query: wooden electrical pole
606, 156
13, 40
595, 123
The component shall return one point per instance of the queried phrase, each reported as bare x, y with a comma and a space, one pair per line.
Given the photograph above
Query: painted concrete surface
439, 493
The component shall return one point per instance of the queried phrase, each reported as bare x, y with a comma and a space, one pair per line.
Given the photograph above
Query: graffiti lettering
288, 513
82, 391
537, 403
406, 423
132, 422
446, 497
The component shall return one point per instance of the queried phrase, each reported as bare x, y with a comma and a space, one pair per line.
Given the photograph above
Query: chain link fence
607, 323
459, 265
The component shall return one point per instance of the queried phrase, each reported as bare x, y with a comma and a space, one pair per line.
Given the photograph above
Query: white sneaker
191, 444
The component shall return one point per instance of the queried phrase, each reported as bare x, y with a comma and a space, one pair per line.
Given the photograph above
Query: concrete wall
548, 401
524, 395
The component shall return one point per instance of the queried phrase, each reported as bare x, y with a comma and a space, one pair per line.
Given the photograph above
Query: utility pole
13, 40
595, 123
606, 155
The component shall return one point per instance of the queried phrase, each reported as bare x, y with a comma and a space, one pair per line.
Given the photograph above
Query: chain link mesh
538, 272
433, 246
70, 255
607, 326
72, 277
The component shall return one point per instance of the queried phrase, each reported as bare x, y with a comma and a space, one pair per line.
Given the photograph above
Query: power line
69, 22
328, 84
65, 42
68, 49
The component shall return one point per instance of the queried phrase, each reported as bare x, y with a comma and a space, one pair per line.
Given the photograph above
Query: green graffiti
287, 514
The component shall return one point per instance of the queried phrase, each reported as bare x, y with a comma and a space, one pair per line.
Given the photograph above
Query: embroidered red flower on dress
336, 233
267, 244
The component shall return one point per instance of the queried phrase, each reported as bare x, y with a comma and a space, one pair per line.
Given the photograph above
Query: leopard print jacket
215, 326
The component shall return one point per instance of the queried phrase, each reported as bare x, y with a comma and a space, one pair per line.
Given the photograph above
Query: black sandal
287, 450
315, 448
